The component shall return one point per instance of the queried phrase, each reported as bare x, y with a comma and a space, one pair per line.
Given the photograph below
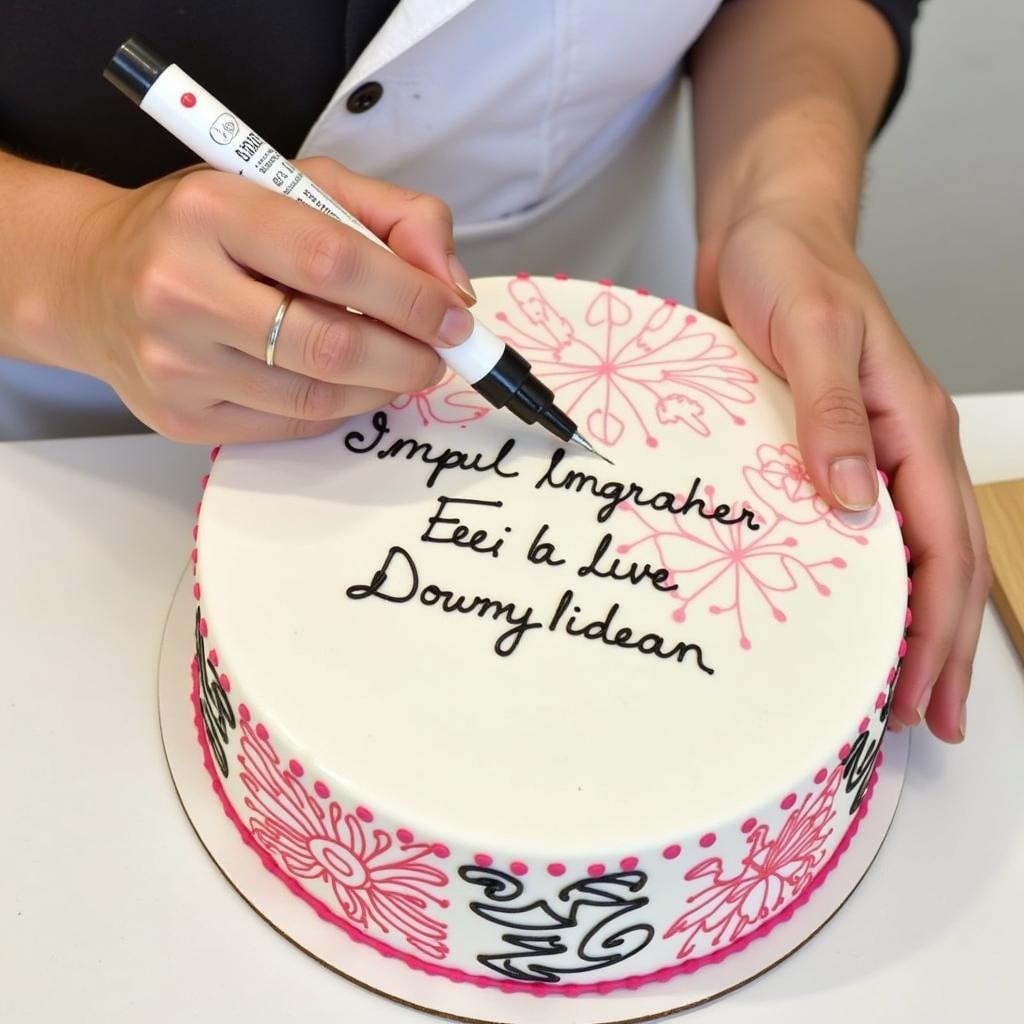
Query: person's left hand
794, 290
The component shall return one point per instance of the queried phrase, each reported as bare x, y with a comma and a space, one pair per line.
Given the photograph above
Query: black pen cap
134, 68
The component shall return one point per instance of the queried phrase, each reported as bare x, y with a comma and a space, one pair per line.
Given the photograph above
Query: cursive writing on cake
611, 492
398, 582
409, 448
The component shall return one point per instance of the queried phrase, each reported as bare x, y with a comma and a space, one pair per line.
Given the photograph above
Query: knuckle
316, 400
334, 348
160, 364
839, 408
158, 292
192, 199
325, 257
432, 207
820, 315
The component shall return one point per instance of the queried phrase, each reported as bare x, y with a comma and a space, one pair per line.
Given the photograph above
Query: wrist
45, 283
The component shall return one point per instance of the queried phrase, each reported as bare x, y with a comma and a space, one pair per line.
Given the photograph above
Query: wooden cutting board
1002, 508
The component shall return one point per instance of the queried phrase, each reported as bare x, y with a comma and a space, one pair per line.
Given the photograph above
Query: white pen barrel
226, 142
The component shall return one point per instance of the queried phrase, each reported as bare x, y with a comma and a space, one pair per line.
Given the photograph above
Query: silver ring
275, 327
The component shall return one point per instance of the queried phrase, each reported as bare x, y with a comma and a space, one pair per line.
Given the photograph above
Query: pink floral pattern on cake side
632, 364
378, 882
776, 869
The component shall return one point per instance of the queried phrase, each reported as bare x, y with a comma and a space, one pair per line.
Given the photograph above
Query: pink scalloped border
539, 990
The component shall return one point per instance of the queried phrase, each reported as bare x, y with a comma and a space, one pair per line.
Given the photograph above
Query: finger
940, 542
237, 378
225, 423
317, 255
417, 225
819, 343
947, 702
319, 340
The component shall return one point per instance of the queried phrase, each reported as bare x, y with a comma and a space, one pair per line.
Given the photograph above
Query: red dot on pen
187, 99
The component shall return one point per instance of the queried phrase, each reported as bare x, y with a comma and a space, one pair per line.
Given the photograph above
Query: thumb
819, 347
416, 225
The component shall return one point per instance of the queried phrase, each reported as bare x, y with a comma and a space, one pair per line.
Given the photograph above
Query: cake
521, 718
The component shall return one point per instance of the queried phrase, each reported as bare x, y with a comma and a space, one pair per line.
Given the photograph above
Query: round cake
521, 717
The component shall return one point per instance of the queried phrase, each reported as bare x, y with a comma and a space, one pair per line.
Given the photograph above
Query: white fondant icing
569, 750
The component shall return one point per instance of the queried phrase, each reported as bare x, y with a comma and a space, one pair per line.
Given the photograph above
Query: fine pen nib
584, 443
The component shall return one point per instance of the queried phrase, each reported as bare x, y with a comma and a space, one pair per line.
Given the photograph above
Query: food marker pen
496, 370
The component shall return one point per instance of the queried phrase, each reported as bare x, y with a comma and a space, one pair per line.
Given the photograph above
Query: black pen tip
579, 439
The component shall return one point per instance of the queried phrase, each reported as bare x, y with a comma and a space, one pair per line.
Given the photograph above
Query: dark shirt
275, 64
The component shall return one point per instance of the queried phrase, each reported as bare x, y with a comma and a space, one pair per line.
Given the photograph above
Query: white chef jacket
552, 128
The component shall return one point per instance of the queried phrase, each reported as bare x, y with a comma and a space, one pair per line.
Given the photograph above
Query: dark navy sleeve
900, 14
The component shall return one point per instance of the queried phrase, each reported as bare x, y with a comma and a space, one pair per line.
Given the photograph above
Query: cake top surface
474, 626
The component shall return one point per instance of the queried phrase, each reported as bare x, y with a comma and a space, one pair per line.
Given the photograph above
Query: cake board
463, 1002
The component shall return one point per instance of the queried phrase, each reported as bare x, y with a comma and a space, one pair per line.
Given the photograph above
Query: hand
794, 290
174, 287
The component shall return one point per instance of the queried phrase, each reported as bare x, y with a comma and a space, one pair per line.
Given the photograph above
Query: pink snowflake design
728, 564
775, 870
440, 403
780, 481
377, 880
644, 365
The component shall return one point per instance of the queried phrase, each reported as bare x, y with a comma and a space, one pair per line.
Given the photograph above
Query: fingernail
853, 484
456, 326
922, 704
460, 278
895, 725
963, 721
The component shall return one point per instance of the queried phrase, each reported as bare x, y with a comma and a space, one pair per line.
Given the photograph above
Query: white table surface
110, 910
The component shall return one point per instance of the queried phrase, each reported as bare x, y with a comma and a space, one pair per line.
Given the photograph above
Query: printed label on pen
226, 142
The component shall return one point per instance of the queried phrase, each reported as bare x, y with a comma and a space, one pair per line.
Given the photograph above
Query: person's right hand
175, 285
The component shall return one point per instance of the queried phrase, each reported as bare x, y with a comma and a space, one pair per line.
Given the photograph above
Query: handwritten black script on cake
468, 524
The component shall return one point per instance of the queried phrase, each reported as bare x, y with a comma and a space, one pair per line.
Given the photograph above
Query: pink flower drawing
774, 871
371, 878
783, 469
781, 484
628, 364
444, 402
728, 566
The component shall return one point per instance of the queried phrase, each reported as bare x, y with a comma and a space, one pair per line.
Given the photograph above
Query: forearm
43, 213
786, 97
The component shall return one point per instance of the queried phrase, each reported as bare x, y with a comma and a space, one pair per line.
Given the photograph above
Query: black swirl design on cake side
548, 942
859, 763
214, 703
